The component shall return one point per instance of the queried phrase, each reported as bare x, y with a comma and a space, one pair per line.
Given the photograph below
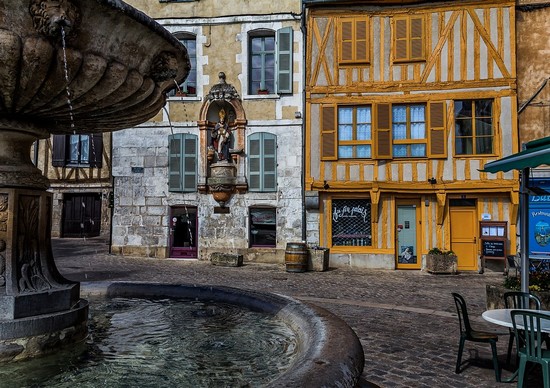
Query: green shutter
262, 162
182, 162
284, 60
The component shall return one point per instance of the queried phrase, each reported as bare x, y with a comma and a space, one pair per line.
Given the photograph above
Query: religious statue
221, 137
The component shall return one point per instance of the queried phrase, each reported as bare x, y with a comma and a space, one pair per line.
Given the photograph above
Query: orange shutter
382, 133
329, 140
437, 140
417, 38
361, 41
346, 40
401, 41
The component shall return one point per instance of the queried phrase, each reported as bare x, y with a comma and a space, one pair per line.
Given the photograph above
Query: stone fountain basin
330, 353
120, 63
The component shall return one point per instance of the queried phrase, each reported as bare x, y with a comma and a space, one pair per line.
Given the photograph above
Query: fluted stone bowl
119, 63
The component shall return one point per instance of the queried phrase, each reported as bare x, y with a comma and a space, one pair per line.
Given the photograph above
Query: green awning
536, 153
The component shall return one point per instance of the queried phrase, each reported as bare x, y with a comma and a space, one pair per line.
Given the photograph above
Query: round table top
503, 317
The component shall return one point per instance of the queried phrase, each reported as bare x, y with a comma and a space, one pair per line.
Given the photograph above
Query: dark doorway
81, 215
183, 232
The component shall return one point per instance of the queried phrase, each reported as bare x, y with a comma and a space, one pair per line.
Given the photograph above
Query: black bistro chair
519, 300
469, 334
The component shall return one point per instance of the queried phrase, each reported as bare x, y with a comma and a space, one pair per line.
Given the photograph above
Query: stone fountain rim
322, 360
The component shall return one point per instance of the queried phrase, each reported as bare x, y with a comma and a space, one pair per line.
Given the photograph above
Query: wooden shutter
269, 162
189, 165
354, 40
284, 60
437, 132
59, 150
417, 38
361, 41
400, 39
382, 133
96, 150
254, 162
174, 162
329, 139
262, 164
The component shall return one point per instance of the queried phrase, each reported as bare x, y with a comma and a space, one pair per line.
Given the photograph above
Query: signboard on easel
494, 240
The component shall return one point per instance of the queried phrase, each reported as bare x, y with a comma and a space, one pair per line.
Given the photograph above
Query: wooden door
464, 232
81, 215
408, 234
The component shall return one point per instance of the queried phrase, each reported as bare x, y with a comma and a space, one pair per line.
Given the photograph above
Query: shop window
263, 227
351, 222
78, 150
474, 127
354, 40
182, 162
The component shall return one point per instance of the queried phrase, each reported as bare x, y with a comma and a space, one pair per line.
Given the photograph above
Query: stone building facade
175, 195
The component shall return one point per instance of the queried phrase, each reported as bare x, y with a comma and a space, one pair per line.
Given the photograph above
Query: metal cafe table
503, 317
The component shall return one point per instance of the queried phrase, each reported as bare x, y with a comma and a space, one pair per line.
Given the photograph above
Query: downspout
304, 51
524, 230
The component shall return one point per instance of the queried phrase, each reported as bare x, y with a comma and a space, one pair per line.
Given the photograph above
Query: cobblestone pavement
405, 320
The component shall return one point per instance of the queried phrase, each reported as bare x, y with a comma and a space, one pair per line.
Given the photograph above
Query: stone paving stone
405, 320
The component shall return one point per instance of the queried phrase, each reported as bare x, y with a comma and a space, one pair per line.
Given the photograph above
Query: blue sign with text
539, 221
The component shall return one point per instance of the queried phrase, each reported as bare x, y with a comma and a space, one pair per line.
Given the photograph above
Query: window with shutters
409, 131
262, 162
474, 130
263, 227
189, 86
77, 150
270, 61
354, 132
354, 40
409, 38
383, 131
182, 162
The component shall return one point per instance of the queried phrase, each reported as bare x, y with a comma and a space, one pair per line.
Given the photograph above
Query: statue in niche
221, 138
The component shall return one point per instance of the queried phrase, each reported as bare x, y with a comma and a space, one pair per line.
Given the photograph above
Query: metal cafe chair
528, 328
519, 300
469, 334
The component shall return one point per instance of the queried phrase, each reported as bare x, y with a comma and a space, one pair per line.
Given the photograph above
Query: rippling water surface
165, 343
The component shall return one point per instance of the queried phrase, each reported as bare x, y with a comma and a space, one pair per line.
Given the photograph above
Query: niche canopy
120, 64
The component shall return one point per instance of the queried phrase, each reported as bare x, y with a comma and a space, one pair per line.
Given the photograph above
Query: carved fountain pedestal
66, 67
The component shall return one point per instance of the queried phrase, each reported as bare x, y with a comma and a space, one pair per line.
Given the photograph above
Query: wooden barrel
296, 257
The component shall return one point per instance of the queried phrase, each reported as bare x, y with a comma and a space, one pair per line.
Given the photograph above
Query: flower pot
441, 264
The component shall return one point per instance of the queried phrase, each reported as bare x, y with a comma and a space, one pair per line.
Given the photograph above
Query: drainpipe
304, 35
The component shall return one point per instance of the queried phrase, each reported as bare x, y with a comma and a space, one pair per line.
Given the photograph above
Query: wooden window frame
354, 143
263, 53
408, 141
350, 37
189, 86
474, 136
408, 40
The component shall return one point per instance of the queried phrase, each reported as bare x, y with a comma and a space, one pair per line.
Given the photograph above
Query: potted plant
439, 261
539, 285
263, 91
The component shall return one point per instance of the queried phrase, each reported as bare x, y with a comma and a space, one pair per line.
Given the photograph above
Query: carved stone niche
222, 123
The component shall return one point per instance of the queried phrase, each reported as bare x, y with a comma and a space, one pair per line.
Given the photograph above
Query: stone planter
495, 297
441, 264
226, 259
318, 259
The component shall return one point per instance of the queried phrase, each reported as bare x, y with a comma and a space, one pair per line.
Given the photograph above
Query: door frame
416, 202
190, 252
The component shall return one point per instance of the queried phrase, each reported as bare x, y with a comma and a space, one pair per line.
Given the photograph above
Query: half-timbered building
405, 103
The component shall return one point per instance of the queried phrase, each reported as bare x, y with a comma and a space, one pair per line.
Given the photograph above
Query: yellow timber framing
323, 38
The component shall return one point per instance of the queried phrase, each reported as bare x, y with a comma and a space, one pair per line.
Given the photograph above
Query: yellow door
464, 237
408, 234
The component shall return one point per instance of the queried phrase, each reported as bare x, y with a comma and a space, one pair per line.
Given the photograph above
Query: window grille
351, 222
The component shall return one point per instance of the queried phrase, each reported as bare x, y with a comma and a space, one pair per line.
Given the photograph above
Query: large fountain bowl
119, 64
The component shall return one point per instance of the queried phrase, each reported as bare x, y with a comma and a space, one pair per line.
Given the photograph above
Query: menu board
493, 248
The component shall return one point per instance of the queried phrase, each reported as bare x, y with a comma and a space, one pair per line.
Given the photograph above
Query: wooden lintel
374, 199
441, 200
